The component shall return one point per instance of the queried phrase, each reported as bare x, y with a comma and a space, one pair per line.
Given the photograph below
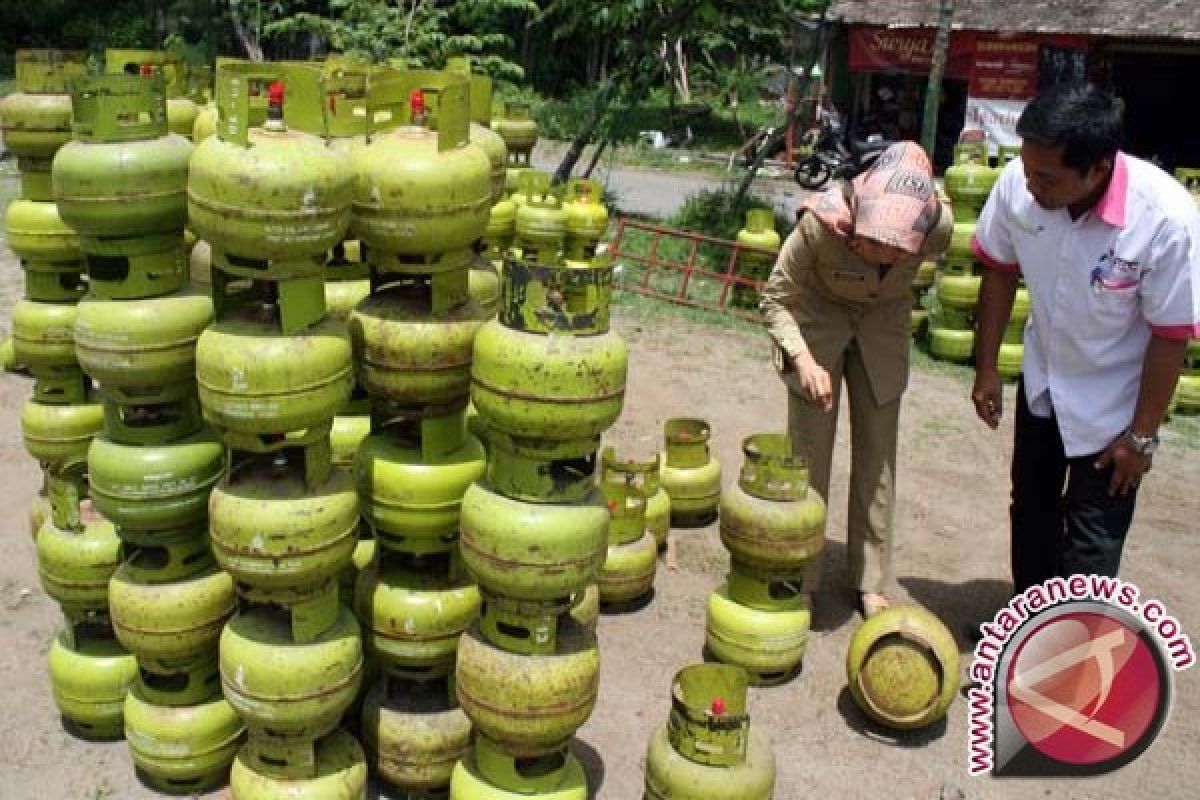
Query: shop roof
1158, 19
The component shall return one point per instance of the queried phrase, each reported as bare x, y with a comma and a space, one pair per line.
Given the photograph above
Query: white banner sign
996, 118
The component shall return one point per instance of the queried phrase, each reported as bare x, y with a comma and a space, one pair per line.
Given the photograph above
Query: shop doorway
1153, 85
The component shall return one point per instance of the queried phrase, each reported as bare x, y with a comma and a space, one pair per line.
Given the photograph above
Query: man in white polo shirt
1109, 246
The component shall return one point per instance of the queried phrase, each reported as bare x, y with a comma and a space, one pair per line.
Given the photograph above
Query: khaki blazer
821, 296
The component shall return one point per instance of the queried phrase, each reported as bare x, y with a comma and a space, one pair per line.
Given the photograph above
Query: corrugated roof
1160, 19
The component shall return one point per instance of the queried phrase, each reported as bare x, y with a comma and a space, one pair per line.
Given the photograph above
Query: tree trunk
681, 71
587, 173
527, 46
637, 40
575, 151
779, 133
248, 40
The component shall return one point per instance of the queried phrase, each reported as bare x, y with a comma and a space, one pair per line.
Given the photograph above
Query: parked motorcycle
836, 155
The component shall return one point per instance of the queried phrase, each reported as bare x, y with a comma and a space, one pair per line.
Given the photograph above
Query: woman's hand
814, 380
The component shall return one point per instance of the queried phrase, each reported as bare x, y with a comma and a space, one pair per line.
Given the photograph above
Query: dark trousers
1063, 520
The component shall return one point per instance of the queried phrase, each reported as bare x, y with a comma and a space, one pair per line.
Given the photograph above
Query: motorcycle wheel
813, 173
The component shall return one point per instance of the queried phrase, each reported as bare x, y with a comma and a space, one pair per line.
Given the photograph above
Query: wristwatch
1143, 445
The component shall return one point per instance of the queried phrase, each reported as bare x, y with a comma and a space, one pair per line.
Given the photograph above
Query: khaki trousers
873, 433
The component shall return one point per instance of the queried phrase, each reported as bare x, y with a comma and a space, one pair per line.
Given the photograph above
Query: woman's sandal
870, 604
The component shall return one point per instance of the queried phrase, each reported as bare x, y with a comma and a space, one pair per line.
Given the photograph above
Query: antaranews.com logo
1072, 678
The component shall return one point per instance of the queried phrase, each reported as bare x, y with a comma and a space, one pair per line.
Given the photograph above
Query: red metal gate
689, 268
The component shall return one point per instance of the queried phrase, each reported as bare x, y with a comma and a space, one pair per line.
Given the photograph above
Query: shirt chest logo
1112, 273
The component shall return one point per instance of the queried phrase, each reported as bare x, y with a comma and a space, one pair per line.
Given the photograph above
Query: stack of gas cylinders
272, 199
955, 294
422, 197
773, 525
77, 550
547, 378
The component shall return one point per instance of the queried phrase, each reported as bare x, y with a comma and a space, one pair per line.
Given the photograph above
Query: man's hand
987, 394
1128, 466
815, 381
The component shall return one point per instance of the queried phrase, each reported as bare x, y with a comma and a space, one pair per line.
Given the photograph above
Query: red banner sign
998, 65
907, 50
1005, 67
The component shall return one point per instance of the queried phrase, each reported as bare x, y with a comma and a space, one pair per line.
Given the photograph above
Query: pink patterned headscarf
894, 202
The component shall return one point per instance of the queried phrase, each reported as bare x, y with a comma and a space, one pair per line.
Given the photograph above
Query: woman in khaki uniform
838, 306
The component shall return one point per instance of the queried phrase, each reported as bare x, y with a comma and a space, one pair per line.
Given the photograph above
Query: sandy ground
952, 557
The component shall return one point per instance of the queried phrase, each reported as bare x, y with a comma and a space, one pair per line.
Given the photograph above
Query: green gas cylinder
338, 772
768, 644
902, 667
708, 750
414, 734
75, 565
43, 336
691, 473
145, 489
528, 704
89, 676
958, 289
422, 196
771, 519
489, 773
969, 180
410, 353
255, 382
519, 131
762, 242
121, 186
413, 610
48, 250
181, 748
58, 435
541, 219
628, 571
282, 537
532, 551
262, 194
35, 120
587, 218
411, 481
170, 602
144, 351
549, 367
289, 693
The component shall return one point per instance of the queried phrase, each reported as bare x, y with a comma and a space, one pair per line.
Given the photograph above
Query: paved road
660, 193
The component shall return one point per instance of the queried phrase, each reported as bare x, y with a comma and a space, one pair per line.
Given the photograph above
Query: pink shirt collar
1111, 207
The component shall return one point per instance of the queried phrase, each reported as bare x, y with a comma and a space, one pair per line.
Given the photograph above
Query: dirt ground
951, 557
